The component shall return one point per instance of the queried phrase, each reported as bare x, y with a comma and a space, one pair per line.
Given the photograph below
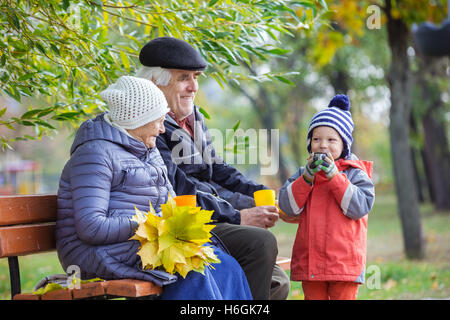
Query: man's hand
287, 218
263, 216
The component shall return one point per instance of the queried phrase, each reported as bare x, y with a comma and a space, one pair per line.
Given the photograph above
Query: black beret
171, 53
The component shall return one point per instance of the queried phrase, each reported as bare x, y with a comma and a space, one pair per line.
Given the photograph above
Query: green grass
33, 268
399, 278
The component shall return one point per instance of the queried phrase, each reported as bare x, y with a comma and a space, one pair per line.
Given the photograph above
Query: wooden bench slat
61, 294
131, 288
27, 209
27, 239
26, 296
89, 290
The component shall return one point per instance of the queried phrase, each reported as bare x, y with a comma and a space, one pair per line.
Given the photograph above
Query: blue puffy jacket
107, 175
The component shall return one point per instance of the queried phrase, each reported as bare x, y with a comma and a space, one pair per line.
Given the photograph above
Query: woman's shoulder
101, 152
97, 147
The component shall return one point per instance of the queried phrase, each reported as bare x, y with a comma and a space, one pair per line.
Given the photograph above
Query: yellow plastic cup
264, 198
186, 200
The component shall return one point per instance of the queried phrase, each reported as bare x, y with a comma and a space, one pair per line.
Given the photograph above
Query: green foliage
65, 52
412, 11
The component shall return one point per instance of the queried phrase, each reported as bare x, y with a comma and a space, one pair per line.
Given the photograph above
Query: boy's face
326, 139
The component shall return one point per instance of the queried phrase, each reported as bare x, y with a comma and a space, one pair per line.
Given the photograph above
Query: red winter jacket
331, 238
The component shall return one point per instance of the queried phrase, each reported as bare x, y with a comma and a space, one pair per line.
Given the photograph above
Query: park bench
27, 226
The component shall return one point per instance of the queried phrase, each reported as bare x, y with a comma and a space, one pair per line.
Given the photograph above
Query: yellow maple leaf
148, 253
184, 268
48, 288
175, 241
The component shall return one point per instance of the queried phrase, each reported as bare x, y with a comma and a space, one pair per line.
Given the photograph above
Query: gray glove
328, 166
313, 166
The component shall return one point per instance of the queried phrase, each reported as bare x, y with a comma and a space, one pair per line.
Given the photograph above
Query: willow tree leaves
66, 52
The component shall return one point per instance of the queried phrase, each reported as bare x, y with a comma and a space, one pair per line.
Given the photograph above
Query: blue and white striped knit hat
338, 117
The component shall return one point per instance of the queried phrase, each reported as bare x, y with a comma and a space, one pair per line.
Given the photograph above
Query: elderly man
194, 168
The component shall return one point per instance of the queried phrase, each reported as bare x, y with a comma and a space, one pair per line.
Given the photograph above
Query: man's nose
192, 85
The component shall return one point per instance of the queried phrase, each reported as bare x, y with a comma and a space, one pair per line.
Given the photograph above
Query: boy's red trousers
330, 290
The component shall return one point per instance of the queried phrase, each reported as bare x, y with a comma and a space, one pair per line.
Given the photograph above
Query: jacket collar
190, 152
366, 166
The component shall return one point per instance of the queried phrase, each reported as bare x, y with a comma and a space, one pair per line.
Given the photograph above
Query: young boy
330, 199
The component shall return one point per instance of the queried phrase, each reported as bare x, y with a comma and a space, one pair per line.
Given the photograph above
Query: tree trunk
427, 170
419, 176
400, 87
437, 153
436, 146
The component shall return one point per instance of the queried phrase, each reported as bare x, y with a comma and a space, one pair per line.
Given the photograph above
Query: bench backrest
27, 224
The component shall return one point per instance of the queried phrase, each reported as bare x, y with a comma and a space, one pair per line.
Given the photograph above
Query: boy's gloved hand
311, 168
329, 167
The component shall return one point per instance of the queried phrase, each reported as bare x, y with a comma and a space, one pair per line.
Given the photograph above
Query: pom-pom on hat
171, 53
134, 102
338, 117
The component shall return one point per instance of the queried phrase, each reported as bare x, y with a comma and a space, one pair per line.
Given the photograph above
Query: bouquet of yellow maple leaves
175, 242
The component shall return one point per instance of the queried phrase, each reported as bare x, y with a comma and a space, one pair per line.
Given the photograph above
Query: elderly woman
114, 167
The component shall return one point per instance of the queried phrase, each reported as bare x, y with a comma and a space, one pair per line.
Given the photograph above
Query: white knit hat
134, 102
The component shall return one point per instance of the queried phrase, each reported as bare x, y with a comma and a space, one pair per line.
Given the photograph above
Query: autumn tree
65, 52
428, 113
400, 16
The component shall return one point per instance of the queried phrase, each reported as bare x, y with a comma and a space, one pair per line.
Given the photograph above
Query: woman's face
148, 132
